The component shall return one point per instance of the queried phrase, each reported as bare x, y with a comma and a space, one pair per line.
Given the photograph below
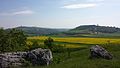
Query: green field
79, 52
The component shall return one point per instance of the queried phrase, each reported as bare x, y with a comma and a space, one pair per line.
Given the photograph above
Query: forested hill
94, 29
40, 31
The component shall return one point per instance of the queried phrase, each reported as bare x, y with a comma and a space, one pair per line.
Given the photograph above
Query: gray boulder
36, 57
40, 56
98, 51
11, 59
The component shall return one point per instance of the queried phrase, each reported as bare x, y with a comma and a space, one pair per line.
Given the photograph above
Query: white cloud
76, 6
22, 12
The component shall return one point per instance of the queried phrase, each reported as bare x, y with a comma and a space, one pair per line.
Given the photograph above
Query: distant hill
78, 31
93, 29
40, 31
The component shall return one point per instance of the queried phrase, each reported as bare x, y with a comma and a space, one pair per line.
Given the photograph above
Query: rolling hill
93, 29
78, 31
40, 31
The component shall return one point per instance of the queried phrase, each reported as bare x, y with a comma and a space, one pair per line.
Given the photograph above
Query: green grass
80, 59
79, 56
103, 35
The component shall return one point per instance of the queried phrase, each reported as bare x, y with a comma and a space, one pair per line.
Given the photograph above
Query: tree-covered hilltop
40, 31
93, 29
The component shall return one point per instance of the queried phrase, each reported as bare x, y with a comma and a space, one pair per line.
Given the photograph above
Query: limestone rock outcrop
98, 51
36, 57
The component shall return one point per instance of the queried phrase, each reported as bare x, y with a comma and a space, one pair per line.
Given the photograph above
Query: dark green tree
12, 40
49, 42
16, 39
3, 40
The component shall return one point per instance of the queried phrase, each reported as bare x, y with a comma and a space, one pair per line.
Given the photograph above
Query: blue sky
59, 13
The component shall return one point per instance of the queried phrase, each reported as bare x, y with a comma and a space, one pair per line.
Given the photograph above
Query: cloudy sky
59, 13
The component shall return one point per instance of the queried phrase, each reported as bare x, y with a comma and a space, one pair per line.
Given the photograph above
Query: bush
34, 45
49, 42
12, 40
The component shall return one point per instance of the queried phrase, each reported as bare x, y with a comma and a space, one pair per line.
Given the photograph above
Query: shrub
49, 42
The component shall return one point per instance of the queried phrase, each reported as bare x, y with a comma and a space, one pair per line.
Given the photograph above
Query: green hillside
34, 31
82, 31
93, 31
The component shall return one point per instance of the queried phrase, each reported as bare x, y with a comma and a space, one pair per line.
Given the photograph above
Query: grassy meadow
79, 52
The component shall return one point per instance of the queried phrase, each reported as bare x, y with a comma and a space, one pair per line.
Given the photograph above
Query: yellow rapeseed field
79, 40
